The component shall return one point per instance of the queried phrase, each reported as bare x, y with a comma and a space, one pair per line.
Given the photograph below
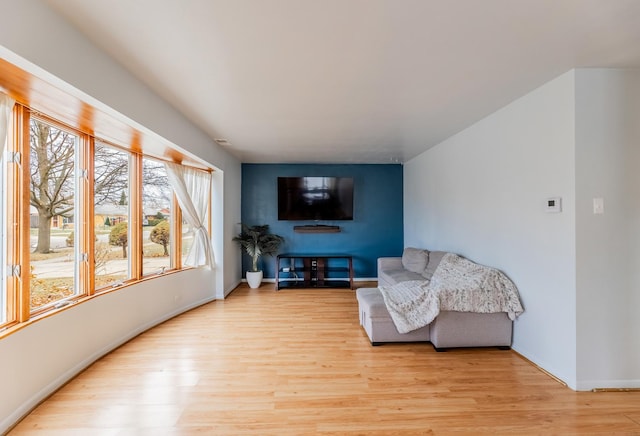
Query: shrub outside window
111, 216
157, 199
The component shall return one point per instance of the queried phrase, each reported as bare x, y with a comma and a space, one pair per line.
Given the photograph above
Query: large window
188, 236
3, 241
157, 200
52, 214
6, 111
80, 216
111, 216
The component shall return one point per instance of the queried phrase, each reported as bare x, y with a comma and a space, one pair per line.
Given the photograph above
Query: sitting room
439, 198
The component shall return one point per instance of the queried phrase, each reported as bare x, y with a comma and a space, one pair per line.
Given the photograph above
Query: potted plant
256, 241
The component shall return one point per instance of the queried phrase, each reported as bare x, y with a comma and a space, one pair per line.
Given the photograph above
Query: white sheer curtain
6, 107
193, 189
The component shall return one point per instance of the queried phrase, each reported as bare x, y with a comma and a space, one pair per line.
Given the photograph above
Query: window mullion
18, 225
12, 218
135, 229
85, 212
25, 233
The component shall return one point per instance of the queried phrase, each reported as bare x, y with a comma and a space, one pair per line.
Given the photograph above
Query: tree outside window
52, 213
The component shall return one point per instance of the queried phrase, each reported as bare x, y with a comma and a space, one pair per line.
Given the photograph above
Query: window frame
13, 219
173, 261
131, 160
80, 189
17, 221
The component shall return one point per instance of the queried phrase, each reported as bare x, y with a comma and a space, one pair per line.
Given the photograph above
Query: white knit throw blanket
457, 285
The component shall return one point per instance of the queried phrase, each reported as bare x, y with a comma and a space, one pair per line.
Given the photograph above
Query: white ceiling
351, 81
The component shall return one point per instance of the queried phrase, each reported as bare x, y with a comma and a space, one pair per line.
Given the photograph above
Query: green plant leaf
256, 241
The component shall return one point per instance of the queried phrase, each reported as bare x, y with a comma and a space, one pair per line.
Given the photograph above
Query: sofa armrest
389, 264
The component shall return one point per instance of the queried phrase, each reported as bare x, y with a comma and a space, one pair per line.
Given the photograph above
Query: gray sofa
448, 330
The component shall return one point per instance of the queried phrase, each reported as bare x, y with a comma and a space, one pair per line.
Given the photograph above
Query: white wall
608, 245
225, 222
482, 193
35, 37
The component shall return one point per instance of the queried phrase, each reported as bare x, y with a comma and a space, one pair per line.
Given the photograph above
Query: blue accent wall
376, 230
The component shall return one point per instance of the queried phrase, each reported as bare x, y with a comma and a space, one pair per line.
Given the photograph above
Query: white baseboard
588, 385
231, 288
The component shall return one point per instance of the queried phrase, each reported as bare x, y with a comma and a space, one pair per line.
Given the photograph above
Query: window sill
55, 309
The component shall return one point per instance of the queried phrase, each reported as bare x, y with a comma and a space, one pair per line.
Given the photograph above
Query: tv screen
315, 198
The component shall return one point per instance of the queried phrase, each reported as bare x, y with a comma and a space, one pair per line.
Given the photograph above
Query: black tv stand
314, 271
316, 228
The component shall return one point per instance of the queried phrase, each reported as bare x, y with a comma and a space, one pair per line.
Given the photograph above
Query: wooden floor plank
298, 362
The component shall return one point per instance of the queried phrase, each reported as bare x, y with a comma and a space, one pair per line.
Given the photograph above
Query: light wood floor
297, 362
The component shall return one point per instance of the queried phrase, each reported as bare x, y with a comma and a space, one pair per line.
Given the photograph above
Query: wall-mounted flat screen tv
315, 198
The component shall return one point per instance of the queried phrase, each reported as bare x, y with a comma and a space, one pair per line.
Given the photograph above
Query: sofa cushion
399, 275
415, 260
372, 302
434, 260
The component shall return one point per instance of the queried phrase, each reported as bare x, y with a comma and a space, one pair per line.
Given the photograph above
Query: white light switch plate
598, 206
